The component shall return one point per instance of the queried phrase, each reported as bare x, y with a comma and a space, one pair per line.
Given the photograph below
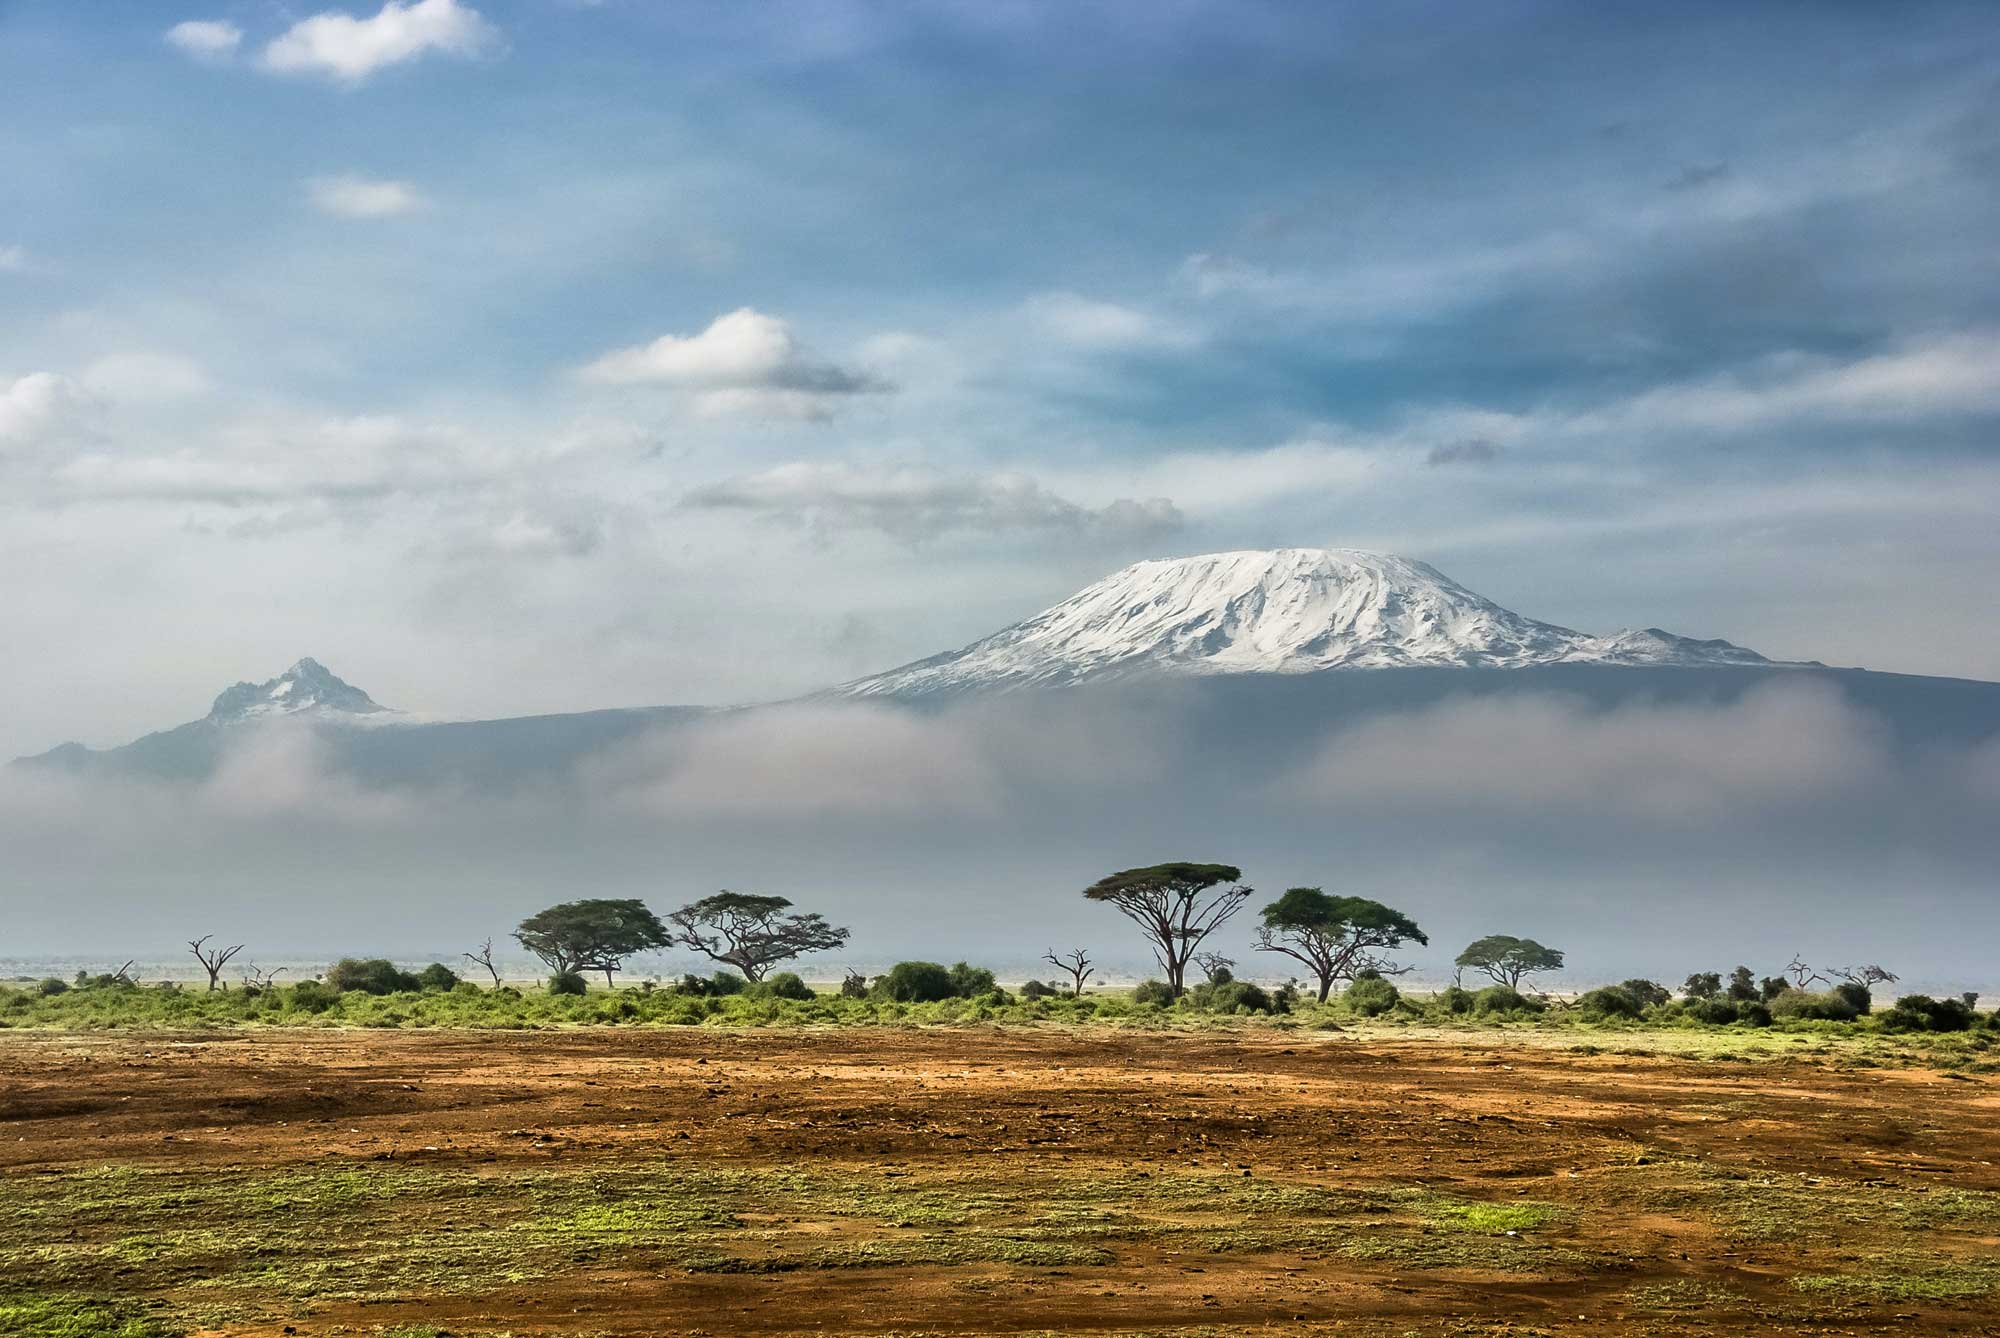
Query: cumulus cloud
206, 39
347, 49
39, 405
1087, 323
913, 502
362, 197
744, 362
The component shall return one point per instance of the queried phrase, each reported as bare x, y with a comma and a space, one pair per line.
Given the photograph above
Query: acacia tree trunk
1325, 985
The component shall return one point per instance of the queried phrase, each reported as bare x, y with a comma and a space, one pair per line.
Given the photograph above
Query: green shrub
375, 975
568, 982
1805, 1005
854, 985
724, 983
969, 982
1646, 993
1857, 994
1920, 1012
1457, 1000
1229, 996
784, 985
1035, 989
915, 982
1370, 995
309, 996
1608, 1002
51, 986
1505, 999
1716, 1012
437, 976
1155, 992
1754, 1014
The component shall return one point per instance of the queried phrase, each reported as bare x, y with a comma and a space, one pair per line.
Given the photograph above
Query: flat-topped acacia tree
751, 933
1336, 938
596, 934
1508, 960
1176, 906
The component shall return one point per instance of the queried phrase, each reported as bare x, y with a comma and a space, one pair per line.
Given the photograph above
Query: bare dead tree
213, 959
257, 978
1867, 977
1076, 962
123, 975
1801, 974
1215, 966
484, 957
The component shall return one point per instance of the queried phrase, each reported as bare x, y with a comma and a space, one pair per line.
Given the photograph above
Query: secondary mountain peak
1286, 611
307, 687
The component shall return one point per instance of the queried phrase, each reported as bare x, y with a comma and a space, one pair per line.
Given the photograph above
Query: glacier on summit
1286, 611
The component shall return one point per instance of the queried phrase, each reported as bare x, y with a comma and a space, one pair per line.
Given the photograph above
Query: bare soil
887, 1180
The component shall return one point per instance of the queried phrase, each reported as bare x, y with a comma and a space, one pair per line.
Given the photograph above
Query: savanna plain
1238, 1176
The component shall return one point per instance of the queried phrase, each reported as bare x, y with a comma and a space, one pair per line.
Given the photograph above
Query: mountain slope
1288, 611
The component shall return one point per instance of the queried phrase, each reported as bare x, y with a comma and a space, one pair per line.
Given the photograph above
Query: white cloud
13, 260
206, 39
911, 502
349, 49
38, 404
145, 376
744, 362
1083, 321
362, 197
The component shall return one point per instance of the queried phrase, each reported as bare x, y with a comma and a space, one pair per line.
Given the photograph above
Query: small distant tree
1866, 977
1335, 938
1218, 970
1742, 987
1508, 961
1076, 962
591, 935
1802, 976
213, 959
751, 933
1176, 906
1702, 985
484, 957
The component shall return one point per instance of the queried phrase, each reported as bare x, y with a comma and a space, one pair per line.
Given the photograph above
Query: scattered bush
1611, 1001
1035, 989
1857, 994
783, 985
854, 985
437, 976
1920, 1012
916, 982
1156, 992
309, 996
52, 986
1807, 1005
1646, 993
969, 982
1229, 996
1754, 1014
1456, 1000
1370, 995
568, 982
1716, 1012
1505, 999
373, 975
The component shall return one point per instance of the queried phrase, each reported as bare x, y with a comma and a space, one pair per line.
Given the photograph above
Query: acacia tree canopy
595, 934
751, 933
1176, 906
1509, 960
1336, 938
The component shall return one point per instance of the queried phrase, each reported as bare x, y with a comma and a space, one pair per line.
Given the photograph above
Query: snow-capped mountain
1288, 611
307, 688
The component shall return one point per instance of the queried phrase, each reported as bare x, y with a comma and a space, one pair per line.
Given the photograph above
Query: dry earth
887, 1180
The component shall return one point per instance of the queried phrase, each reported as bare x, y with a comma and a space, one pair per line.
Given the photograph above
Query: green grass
1909, 1277
66, 1316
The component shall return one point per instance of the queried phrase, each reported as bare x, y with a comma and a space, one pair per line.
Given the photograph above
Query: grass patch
1909, 1278
74, 1317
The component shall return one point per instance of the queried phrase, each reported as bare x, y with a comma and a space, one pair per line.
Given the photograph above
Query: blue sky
542, 355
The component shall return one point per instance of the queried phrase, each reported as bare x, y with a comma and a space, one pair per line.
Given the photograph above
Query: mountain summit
308, 687
1287, 611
